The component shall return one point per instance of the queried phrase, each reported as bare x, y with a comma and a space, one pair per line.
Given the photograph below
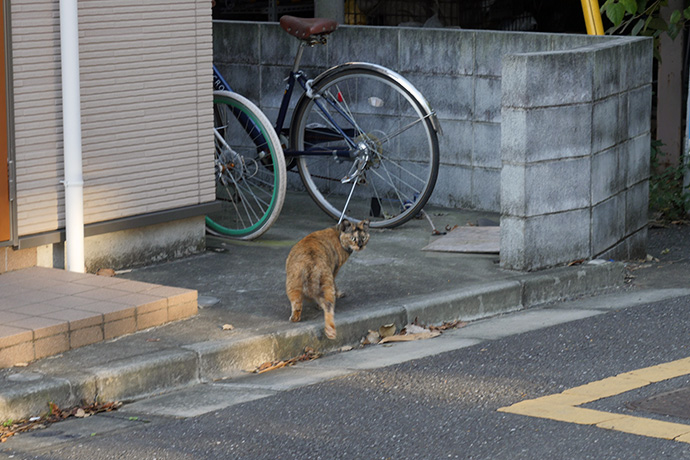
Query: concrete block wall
550, 130
575, 142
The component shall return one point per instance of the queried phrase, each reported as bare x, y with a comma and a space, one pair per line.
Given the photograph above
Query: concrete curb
27, 394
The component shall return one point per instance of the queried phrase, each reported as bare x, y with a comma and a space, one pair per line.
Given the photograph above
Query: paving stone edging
141, 376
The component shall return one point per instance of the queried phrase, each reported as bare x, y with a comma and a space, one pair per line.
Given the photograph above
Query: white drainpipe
71, 126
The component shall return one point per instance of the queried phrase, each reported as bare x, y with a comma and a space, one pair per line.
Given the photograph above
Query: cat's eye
353, 238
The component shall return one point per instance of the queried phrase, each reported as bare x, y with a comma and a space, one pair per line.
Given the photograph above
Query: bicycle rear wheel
249, 169
390, 137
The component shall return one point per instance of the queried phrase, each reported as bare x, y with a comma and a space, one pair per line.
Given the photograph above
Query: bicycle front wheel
249, 169
393, 147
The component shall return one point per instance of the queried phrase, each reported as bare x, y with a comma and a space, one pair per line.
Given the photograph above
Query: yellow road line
563, 406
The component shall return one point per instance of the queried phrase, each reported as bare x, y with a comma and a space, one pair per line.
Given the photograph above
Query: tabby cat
314, 262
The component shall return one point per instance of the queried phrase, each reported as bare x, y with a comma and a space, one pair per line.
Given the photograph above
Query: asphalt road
443, 405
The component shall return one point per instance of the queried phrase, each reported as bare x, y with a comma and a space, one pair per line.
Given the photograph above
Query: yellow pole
590, 9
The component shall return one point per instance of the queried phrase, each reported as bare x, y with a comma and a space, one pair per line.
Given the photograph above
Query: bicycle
364, 139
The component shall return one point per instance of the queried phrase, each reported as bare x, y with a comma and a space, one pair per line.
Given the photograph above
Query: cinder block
608, 224
639, 111
493, 46
636, 245
236, 43
513, 135
549, 187
512, 254
547, 79
556, 186
277, 48
538, 242
486, 189
513, 202
635, 159
271, 87
546, 133
618, 252
638, 61
608, 175
437, 52
562, 42
453, 187
487, 99
450, 96
487, 145
242, 79
345, 45
606, 131
456, 144
607, 69
636, 206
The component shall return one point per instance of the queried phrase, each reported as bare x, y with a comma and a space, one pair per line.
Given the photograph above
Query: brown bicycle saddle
304, 28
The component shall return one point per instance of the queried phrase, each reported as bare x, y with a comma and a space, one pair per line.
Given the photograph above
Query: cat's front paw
339, 294
296, 316
330, 331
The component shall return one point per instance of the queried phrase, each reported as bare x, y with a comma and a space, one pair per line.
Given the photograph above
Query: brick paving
46, 311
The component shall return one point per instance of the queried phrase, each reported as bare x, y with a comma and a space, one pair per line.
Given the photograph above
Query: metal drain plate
675, 403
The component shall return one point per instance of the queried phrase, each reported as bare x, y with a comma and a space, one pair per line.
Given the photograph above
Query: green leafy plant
643, 17
668, 198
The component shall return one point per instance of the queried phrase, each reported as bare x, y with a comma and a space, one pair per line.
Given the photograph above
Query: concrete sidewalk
242, 284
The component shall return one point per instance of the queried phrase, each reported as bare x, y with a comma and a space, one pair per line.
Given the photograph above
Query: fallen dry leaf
387, 330
308, 355
457, 324
11, 428
411, 337
413, 329
228, 327
371, 337
106, 272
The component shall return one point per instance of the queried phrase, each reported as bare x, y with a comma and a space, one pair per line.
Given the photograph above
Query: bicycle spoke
250, 169
403, 169
401, 153
402, 130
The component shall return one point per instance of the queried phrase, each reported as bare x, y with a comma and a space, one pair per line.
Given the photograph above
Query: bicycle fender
419, 98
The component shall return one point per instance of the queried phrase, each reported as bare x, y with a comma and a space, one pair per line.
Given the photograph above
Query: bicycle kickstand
352, 190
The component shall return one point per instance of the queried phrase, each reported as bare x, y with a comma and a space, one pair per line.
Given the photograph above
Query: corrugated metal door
4, 183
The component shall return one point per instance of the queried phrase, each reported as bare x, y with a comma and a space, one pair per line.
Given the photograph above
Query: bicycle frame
297, 76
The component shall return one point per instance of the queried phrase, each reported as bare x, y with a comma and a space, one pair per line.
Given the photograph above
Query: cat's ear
344, 225
364, 225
